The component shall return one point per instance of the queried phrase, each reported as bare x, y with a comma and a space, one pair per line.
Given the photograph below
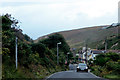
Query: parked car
72, 66
82, 67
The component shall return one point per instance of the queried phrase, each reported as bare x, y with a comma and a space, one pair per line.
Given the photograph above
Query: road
73, 75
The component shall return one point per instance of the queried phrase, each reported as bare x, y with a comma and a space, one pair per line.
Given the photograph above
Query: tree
39, 48
52, 40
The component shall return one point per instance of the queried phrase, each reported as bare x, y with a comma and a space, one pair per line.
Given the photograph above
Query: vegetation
35, 60
106, 65
92, 35
112, 43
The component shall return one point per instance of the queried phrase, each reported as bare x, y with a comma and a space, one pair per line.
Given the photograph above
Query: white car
82, 67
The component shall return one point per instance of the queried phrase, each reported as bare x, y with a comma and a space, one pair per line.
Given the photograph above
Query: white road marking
94, 75
69, 71
53, 74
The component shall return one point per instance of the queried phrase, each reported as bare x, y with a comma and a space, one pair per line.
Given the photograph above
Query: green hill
113, 43
79, 37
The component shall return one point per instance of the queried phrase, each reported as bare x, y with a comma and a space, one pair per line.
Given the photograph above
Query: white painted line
98, 76
94, 75
68, 71
53, 74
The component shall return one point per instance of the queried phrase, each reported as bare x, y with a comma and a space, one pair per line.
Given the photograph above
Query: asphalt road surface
73, 75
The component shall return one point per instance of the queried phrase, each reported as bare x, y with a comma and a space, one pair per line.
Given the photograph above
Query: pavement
72, 74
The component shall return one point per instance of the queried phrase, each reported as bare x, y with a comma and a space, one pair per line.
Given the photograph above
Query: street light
58, 53
16, 51
67, 56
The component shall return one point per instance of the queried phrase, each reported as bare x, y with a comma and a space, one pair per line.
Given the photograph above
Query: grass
91, 34
112, 76
103, 72
107, 76
34, 71
0, 74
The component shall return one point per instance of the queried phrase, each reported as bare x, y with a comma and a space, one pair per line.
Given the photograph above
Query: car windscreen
82, 65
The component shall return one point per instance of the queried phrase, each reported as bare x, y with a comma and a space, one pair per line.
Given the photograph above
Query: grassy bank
112, 76
34, 71
35, 60
106, 66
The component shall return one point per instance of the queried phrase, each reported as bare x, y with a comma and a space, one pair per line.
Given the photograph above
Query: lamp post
86, 54
67, 56
106, 44
58, 53
16, 52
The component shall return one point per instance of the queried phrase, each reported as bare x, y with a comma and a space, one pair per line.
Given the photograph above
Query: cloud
46, 16
70, 8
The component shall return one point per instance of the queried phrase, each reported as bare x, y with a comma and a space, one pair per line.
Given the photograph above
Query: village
87, 54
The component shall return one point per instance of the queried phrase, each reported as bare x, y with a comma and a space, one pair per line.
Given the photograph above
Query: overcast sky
41, 17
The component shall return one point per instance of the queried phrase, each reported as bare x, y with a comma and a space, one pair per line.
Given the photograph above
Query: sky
41, 17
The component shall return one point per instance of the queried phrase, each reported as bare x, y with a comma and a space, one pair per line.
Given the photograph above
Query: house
97, 52
114, 51
91, 54
83, 53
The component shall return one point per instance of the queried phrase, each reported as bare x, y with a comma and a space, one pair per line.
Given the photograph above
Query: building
91, 54
85, 54
114, 51
97, 52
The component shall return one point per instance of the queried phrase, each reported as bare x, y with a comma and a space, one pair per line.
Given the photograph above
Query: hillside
35, 60
78, 37
112, 43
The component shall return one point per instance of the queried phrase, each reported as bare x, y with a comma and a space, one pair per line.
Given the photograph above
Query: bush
95, 69
34, 58
113, 56
52, 40
113, 66
106, 64
39, 48
101, 60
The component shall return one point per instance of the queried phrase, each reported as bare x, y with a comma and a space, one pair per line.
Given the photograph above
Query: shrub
113, 56
110, 65
39, 48
101, 60
52, 40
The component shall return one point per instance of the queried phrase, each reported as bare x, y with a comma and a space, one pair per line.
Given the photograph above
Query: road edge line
95, 75
53, 74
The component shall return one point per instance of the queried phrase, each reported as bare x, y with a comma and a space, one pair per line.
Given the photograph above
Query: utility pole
16, 51
58, 53
106, 44
86, 54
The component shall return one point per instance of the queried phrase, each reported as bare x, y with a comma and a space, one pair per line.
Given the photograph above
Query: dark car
82, 67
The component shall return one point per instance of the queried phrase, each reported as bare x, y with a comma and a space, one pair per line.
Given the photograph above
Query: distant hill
77, 38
